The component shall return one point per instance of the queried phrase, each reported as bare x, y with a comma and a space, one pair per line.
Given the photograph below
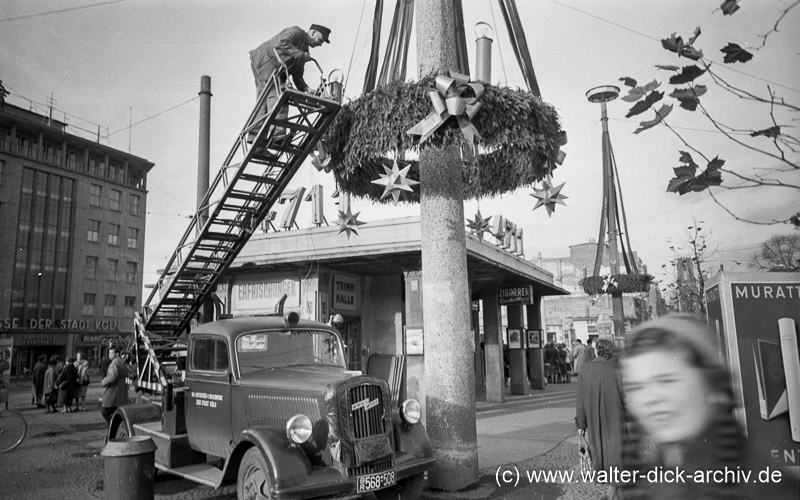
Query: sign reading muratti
515, 295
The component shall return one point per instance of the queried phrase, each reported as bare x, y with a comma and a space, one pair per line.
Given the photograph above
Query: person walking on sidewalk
579, 355
67, 383
115, 392
50, 389
83, 382
292, 47
600, 410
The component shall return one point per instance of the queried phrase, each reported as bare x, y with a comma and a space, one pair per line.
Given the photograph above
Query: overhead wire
59, 11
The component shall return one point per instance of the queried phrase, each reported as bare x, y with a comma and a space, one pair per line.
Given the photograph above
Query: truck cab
267, 402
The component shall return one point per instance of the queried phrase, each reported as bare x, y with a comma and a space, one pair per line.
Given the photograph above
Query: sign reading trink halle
758, 333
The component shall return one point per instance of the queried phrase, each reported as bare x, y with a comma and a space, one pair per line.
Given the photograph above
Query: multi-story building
580, 316
72, 228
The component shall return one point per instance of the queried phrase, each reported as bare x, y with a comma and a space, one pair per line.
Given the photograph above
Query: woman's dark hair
605, 348
722, 442
43, 358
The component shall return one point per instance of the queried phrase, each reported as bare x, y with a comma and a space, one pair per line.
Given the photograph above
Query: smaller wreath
625, 283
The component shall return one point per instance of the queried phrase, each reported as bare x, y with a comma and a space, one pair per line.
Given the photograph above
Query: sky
110, 64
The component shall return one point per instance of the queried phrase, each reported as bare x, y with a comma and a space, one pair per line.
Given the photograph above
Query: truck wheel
409, 488
122, 431
253, 479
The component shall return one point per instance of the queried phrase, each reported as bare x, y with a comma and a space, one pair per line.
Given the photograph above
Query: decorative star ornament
348, 223
395, 181
608, 282
548, 196
479, 225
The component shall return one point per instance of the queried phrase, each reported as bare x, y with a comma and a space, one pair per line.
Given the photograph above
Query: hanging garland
618, 283
521, 137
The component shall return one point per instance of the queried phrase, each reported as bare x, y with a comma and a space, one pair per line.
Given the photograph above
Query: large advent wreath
520, 137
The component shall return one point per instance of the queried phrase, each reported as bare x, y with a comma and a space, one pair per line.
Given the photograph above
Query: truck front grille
366, 411
379, 466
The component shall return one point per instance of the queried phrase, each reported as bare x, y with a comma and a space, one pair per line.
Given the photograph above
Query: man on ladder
292, 46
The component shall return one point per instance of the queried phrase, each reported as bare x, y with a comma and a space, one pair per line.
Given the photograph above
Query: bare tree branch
775, 27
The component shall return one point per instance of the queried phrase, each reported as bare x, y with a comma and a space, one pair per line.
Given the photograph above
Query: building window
109, 309
95, 195
130, 305
91, 267
133, 237
111, 269
114, 200
2, 172
88, 304
131, 269
135, 206
113, 235
94, 231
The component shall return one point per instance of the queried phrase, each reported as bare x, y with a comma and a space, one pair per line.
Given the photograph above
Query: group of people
60, 386
562, 363
666, 402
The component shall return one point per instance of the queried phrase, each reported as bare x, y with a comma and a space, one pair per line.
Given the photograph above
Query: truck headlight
410, 411
298, 429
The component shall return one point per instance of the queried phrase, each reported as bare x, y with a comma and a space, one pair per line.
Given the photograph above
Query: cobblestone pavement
60, 458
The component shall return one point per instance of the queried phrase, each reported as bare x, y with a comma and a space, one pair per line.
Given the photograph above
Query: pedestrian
82, 364
679, 396
506, 365
561, 363
49, 386
292, 46
578, 355
589, 353
37, 387
67, 383
115, 389
104, 364
550, 361
600, 411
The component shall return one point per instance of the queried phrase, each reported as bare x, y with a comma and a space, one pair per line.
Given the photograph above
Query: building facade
580, 316
72, 229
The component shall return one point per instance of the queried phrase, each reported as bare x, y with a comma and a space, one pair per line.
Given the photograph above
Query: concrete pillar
449, 375
519, 370
536, 354
493, 346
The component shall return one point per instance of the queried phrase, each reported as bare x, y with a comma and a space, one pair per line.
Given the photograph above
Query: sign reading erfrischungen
515, 295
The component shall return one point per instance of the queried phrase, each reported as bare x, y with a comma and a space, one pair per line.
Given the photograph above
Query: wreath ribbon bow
448, 100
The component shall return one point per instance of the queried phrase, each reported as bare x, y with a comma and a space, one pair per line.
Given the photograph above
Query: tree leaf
729, 7
690, 52
771, 132
642, 106
689, 103
673, 43
687, 158
637, 93
628, 81
662, 113
667, 67
685, 181
694, 36
687, 74
689, 92
734, 53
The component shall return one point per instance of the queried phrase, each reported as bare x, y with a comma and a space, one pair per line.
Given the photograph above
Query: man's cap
322, 29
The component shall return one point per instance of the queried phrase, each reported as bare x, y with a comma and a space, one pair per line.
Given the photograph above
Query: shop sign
345, 292
41, 339
515, 295
261, 296
62, 324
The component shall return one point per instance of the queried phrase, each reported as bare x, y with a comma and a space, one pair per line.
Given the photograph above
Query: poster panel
6, 348
757, 310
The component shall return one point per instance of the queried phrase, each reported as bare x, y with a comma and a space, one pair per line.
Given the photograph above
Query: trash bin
129, 468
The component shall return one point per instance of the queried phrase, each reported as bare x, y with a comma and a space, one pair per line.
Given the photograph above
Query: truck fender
289, 465
129, 415
410, 438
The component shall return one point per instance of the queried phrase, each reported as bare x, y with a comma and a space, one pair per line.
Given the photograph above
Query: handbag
51, 397
584, 454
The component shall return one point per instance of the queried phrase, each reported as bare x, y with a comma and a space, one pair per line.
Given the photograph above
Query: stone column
449, 375
493, 346
536, 355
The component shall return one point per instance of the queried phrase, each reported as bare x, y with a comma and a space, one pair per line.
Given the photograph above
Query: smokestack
203, 149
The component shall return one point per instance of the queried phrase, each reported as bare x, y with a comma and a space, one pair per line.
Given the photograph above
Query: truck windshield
275, 349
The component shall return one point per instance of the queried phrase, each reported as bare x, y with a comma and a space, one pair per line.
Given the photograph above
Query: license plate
372, 482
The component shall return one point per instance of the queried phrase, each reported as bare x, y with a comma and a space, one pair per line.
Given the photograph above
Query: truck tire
409, 488
252, 482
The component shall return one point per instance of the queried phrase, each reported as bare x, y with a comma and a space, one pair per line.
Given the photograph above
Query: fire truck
266, 401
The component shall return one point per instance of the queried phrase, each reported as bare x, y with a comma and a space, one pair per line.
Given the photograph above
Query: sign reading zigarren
515, 295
